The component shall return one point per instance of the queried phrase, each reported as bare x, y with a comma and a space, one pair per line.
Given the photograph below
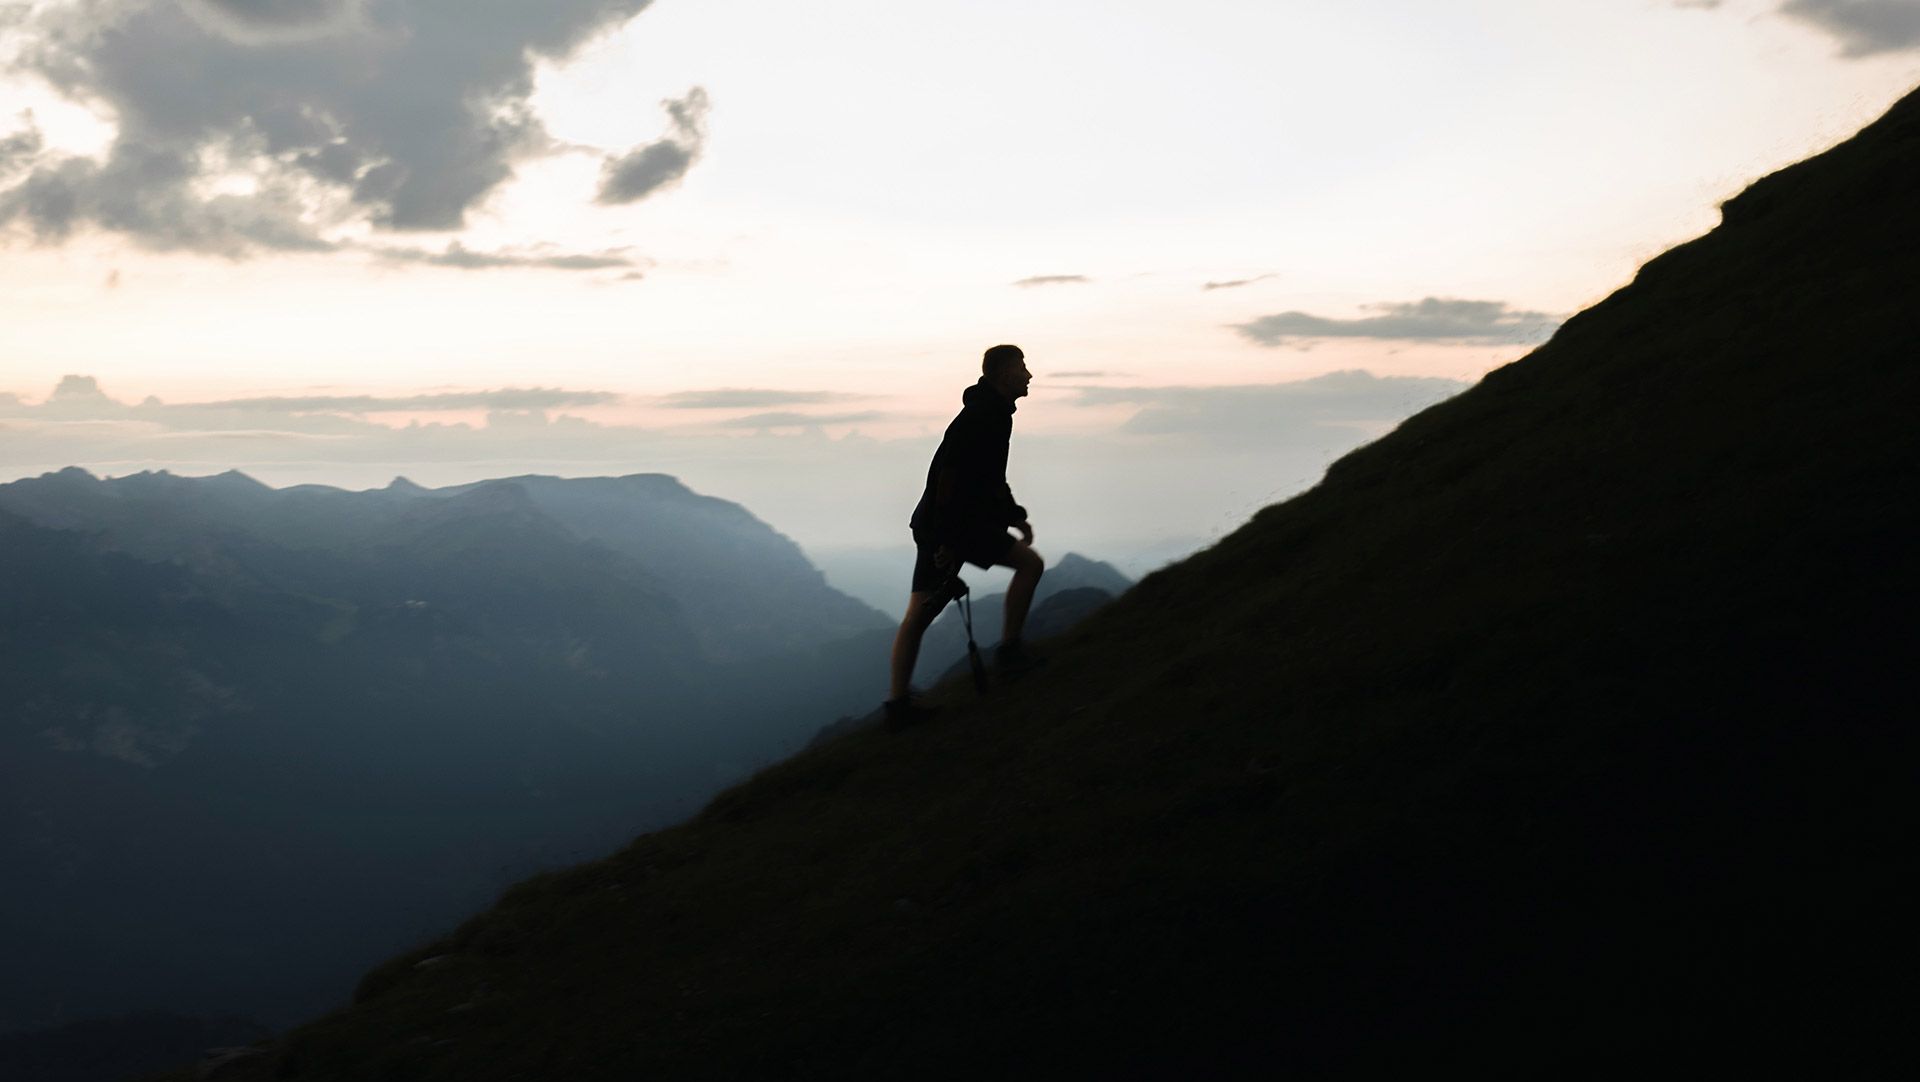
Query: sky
760, 245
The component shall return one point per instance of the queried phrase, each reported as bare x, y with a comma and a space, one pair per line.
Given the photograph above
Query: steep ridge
1562, 730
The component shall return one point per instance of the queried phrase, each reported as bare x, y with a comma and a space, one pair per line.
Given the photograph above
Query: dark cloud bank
1863, 27
1433, 319
407, 114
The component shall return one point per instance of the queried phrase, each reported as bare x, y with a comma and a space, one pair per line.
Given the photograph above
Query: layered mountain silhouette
255, 739
1562, 731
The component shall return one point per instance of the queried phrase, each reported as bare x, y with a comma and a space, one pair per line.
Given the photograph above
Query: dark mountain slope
1565, 730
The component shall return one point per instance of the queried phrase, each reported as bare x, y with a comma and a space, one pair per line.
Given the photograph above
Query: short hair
998, 358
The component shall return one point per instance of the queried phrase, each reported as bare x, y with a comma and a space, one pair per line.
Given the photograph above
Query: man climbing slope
964, 515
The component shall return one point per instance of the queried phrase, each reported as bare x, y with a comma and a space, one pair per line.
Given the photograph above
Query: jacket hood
982, 395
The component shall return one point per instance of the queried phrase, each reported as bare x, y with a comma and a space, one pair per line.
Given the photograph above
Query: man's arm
946, 485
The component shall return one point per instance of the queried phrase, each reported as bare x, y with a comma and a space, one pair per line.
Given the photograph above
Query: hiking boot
905, 713
1013, 658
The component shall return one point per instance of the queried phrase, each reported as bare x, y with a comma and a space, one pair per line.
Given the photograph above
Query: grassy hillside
1562, 730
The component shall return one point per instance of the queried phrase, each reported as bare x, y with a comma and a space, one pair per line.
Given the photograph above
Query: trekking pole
973, 652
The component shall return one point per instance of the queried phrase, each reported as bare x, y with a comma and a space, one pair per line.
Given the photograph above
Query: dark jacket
967, 489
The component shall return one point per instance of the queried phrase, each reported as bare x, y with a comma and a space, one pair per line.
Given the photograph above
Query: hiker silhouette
963, 517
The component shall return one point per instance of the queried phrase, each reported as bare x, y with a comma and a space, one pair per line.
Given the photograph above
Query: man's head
1005, 369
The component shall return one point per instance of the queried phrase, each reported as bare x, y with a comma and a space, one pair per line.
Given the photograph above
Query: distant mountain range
253, 738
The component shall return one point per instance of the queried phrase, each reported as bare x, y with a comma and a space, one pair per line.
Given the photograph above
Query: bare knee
1025, 561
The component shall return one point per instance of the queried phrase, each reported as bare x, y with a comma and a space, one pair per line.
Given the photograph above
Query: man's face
1014, 379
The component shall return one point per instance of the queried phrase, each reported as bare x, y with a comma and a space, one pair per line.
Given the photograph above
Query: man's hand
945, 560
1026, 531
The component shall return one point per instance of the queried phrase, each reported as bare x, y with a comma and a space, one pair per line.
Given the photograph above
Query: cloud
78, 391
1431, 320
1338, 407
509, 398
1863, 27
276, 21
461, 257
21, 147
264, 125
1084, 374
1238, 282
749, 398
645, 170
788, 419
1052, 280
81, 398
151, 194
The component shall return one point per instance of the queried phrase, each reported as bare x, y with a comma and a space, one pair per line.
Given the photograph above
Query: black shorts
982, 548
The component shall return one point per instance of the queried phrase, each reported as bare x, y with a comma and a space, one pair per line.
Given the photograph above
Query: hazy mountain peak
661, 483
491, 496
236, 479
1074, 571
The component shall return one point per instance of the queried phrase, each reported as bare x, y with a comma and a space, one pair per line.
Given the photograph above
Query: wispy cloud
1238, 282
82, 398
509, 398
1348, 405
750, 398
790, 419
1052, 280
460, 257
1433, 319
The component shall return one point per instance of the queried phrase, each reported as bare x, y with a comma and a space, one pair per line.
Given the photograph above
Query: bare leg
906, 643
1027, 569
